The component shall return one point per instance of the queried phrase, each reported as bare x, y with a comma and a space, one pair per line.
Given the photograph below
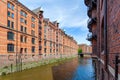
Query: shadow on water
75, 69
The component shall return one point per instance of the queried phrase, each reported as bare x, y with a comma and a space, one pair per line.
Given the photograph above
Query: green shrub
79, 51
5, 67
3, 73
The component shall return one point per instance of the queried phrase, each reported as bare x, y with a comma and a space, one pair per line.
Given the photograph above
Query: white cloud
75, 23
69, 13
81, 39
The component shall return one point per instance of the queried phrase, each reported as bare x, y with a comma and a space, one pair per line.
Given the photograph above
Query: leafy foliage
79, 51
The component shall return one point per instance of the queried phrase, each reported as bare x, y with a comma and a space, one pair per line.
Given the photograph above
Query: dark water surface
76, 69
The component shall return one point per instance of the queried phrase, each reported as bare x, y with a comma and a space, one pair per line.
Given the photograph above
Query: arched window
10, 35
10, 47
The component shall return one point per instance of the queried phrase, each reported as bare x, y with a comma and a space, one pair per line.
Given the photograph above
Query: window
10, 36
25, 30
21, 20
21, 28
12, 15
50, 50
45, 31
12, 7
21, 39
10, 47
44, 36
45, 43
40, 27
50, 44
9, 13
40, 47
25, 39
33, 49
21, 50
56, 50
25, 50
25, 21
8, 24
45, 50
8, 5
33, 25
33, 19
33, 40
33, 33
12, 25
23, 13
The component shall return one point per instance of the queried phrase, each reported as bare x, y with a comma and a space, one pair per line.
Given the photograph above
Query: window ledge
11, 52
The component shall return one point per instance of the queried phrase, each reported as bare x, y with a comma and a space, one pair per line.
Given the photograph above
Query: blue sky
71, 14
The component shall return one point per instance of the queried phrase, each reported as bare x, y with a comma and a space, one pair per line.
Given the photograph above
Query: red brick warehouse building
25, 35
104, 28
53, 41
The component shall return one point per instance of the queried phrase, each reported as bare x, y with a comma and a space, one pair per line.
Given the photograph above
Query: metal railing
114, 61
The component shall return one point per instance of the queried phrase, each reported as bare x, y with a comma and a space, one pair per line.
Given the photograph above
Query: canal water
75, 69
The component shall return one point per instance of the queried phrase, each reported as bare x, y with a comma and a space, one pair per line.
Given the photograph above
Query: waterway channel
75, 69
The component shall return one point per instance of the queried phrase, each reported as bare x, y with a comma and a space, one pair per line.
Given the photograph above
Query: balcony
90, 22
91, 36
92, 5
89, 12
87, 2
90, 2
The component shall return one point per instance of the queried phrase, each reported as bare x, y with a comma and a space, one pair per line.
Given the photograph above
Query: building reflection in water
65, 71
77, 69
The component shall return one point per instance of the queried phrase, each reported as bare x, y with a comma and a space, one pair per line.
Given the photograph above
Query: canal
75, 69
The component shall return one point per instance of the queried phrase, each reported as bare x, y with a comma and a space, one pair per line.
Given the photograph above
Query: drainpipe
17, 66
105, 33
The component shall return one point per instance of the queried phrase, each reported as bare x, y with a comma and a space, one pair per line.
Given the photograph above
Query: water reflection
85, 70
65, 71
76, 69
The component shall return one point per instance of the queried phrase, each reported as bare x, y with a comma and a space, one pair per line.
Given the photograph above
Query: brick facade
54, 41
27, 36
12, 11
106, 45
85, 48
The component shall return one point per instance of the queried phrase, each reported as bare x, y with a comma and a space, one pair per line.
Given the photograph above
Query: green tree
79, 51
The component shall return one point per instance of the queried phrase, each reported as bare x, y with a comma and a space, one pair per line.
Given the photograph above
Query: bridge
85, 54
89, 54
